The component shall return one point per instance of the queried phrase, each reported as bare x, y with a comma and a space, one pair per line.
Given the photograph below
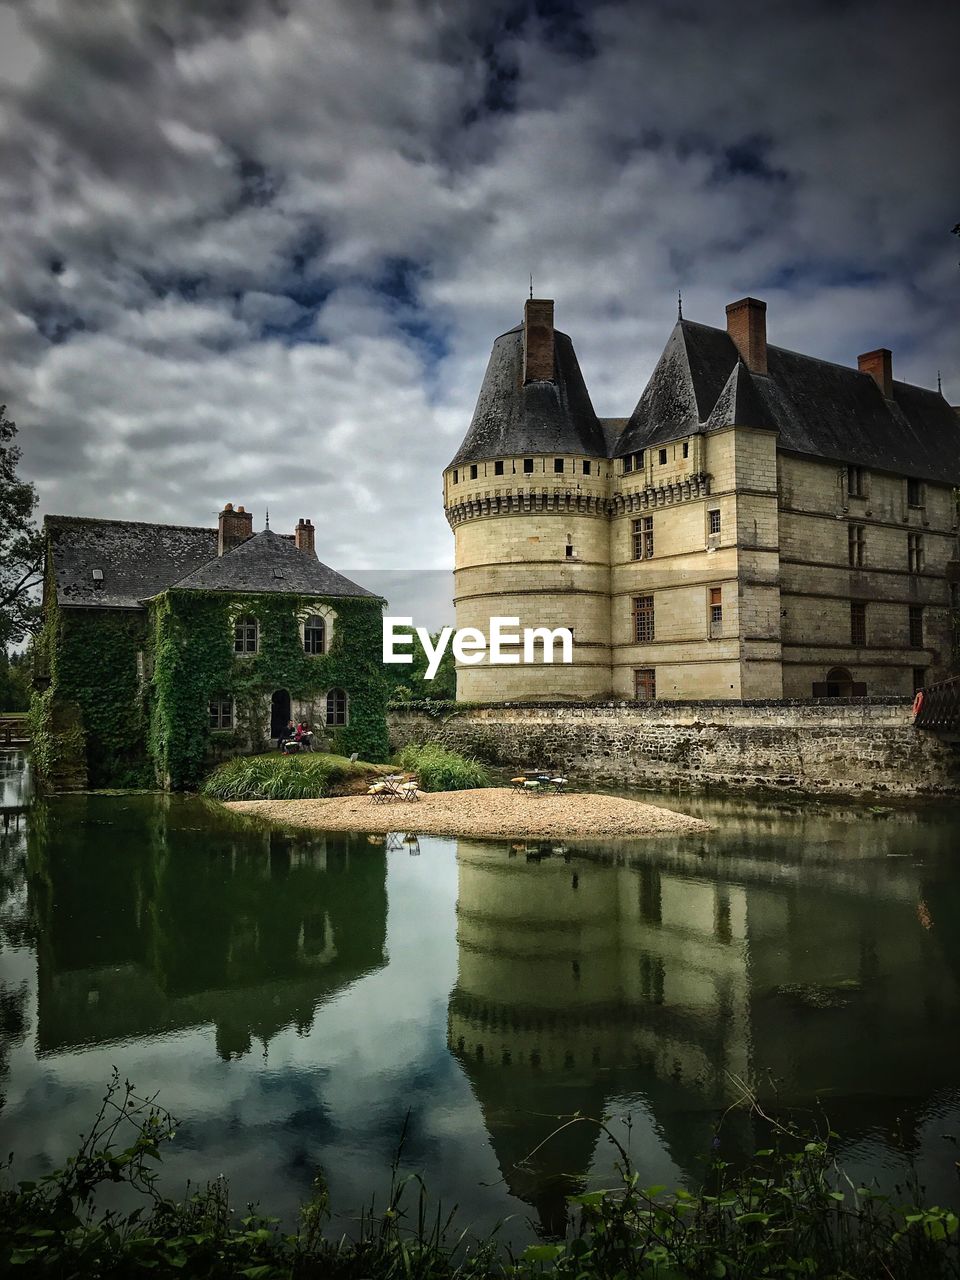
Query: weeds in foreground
439, 769
277, 777
792, 1213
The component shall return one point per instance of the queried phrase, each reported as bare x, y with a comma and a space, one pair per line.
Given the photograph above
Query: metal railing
940, 709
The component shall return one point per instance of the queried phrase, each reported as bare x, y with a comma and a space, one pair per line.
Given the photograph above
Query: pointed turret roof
270, 562
513, 417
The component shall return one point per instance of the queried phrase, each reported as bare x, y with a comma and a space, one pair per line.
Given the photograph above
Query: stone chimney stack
538, 344
879, 365
747, 326
235, 527
303, 536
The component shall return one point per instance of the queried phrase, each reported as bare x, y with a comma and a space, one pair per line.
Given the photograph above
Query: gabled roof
739, 403
137, 560
818, 408
537, 417
269, 562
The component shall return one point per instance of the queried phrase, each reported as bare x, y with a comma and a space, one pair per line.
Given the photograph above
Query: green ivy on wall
135, 722
91, 657
193, 661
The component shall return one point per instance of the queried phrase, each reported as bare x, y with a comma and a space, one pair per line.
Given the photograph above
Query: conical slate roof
540, 417
269, 562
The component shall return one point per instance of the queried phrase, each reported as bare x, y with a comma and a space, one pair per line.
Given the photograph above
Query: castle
765, 525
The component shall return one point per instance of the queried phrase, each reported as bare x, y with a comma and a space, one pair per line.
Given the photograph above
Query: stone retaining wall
827, 747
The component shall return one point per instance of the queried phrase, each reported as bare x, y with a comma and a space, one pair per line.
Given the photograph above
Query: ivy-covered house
167, 647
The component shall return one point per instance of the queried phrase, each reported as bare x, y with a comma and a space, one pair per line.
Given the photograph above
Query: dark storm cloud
257, 251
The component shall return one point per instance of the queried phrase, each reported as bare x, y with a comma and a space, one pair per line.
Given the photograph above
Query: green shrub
792, 1212
277, 777
439, 769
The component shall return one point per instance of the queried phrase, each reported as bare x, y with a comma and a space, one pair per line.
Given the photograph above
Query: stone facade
832, 747
717, 561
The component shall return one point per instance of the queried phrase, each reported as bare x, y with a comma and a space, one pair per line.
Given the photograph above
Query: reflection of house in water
582, 981
249, 930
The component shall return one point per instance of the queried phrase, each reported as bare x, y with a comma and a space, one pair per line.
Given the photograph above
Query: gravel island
488, 811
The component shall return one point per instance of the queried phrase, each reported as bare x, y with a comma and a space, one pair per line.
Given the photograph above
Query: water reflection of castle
581, 982
249, 930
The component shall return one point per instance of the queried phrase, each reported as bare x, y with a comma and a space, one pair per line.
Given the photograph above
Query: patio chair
379, 792
409, 790
556, 784
518, 783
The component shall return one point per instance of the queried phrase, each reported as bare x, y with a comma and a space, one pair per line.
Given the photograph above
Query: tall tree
21, 544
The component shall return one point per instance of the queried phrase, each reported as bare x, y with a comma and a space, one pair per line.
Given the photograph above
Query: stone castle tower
764, 525
535, 459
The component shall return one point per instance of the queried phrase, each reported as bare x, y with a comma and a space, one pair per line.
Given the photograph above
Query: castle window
645, 684
336, 707
643, 538
221, 713
643, 625
716, 612
919, 678
473, 472
527, 466
663, 457
713, 522
858, 623
914, 493
915, 556
916, 626
314, 635
686, 448
246, 634
498, 468
855, 545
456, 477
855, 482
558, 465
586, 467
569, 551
628, 464
638, 460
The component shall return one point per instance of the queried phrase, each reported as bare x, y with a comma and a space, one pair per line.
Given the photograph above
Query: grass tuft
439, 769
309, 776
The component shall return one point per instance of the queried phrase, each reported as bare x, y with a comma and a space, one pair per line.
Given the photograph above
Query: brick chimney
538, 346
747, 326
235, 527
303, 536
879, 365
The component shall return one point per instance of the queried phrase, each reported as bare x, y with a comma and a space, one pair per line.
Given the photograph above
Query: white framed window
246, 634
221, 713
314, 634
338, 708
316, 630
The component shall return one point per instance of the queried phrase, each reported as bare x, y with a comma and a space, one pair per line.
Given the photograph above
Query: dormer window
278, 573
98, 575
246, 631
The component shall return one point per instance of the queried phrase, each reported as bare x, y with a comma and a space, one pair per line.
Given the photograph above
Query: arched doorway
839, 684
279, 712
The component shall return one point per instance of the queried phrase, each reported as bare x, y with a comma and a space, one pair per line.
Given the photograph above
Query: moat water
300, 1000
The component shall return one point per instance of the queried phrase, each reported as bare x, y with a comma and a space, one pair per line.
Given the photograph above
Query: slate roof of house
818, 408
140, 560
270, 562
137, 559
540, 417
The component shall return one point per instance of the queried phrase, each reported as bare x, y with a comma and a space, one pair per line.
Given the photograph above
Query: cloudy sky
257, 250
